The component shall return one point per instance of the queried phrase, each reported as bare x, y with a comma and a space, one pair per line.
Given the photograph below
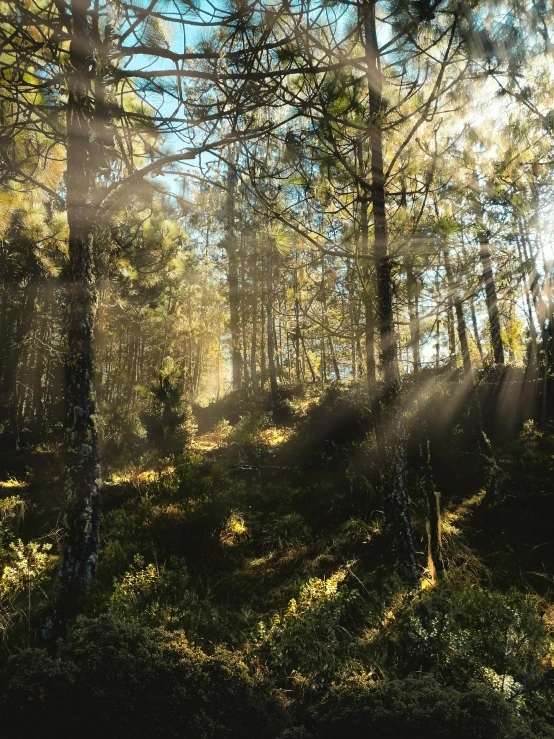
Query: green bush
165, 420
245, 440
123, 680
457, 633
419, 707
162, 596
307, 641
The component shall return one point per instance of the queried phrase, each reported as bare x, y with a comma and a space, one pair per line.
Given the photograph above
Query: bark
271, 334
336, 367
454, 288
390, 431
434, 524
243, 308
475, 328
83, 482
491, 297
369, 324
230, 245
413, 310
253, 370
297, 338
451, 333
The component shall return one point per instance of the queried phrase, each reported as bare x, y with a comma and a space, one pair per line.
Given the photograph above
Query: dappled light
277, 369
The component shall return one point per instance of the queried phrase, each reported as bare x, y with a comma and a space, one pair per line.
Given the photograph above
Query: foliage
307, 641
419, 706
162, 596
165, 420
245, 440
463, 633
24, 571
126, 680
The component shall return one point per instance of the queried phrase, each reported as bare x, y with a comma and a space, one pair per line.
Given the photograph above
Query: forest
277, 369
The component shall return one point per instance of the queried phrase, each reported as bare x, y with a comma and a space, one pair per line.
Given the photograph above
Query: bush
419, 707
165, 421
162, 596
457, 633
124, 680
307, 641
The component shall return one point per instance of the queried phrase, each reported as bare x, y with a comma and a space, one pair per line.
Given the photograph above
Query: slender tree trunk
83, 483
271, 333
297, 338
336, 367
491, 297
230, 244
413, 311
434, 524
390, 431
475, 327
197, 371
253, 350
369, 325
310, 365
454, 289
451, 333
263, 370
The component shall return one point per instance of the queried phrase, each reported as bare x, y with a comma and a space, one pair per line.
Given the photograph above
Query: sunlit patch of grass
133, 476
11, 483
234, 531
302, 405
206, 442
213, 439
276, 435
45, 448
451, 518
255, 563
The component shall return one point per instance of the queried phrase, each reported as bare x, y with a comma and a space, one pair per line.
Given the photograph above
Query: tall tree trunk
475, 327
230, 244
413, 311
271, 333
243, 309
254, 344
336, 367
451, 332
454, 289
83, 482
434, 525
369, 325
491, 297
390, 430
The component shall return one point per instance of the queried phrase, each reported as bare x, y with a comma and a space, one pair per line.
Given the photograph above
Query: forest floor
267, 539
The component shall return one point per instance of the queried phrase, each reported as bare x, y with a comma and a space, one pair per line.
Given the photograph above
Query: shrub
246, 440
459, 632
165, 420
308, 639
124, 680
162, 596
419, 707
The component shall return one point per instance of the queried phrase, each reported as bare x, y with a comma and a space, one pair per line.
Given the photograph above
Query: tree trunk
253, 350
490, 286
413, 311
475, 327
271, 333
390, 430
454, 289
436, 562
336, 367
369, 317
230, 245
83, 483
